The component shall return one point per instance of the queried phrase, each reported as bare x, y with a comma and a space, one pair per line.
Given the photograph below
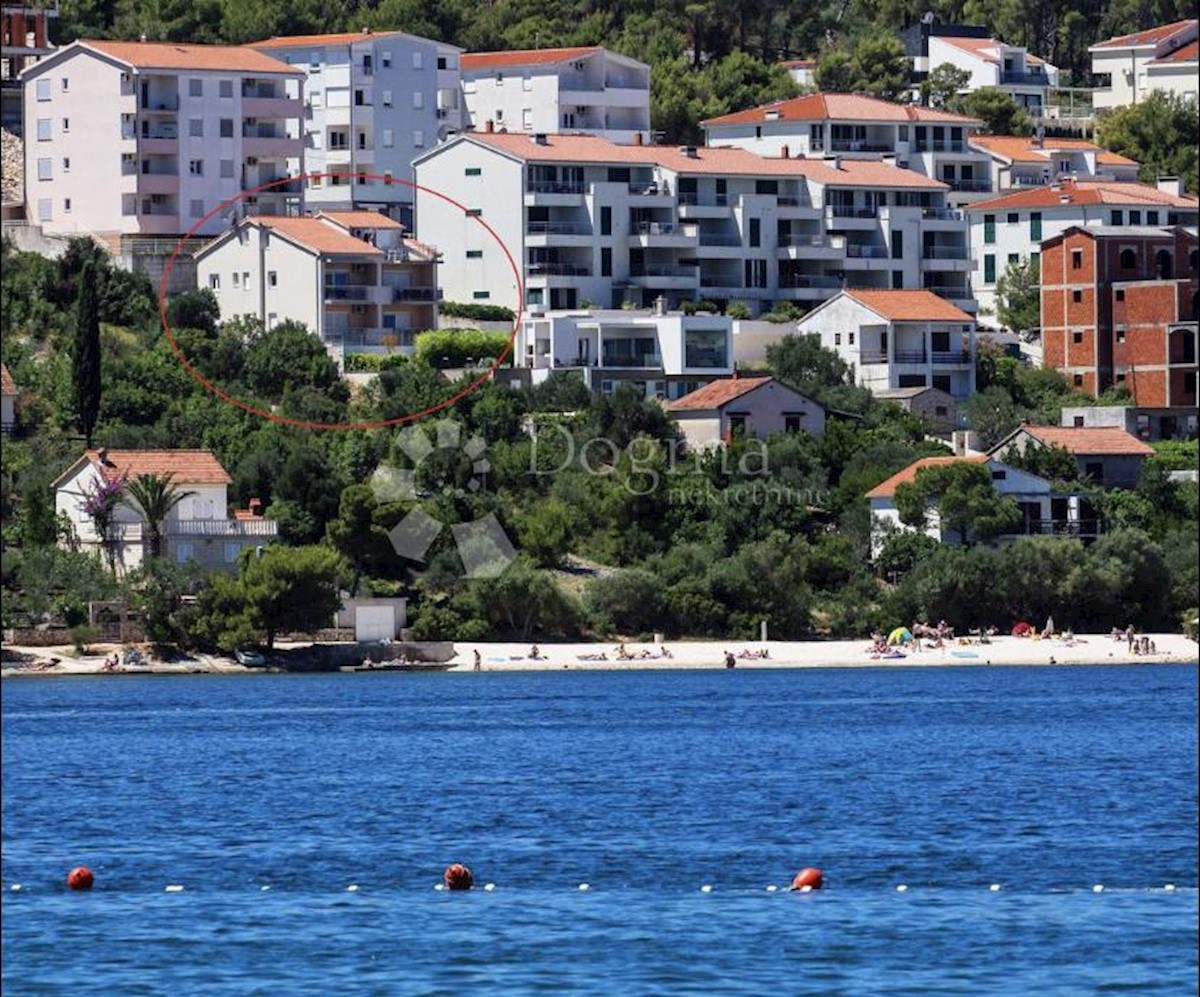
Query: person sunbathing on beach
592, 657
535, 654
621, 653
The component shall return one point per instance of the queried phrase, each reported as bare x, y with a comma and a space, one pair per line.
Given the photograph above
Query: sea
981, 830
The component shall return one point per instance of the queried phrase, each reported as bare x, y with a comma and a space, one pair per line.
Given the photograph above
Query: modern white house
898, 339
1162, 58
753, 407
663, 354
146, 139
200, 528
587, 221
993, 63
373, 101
1018, 162
1012, 228
8, 400
351, 277
1044, 512
933, 143
586, 90
1106, 455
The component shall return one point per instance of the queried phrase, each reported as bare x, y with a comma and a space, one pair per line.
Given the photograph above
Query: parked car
250, 656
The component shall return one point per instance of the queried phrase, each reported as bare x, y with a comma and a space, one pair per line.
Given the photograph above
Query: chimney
539, 138
637, 138
784, 152
689, 151
1171, 185
837, 162
255, 506
142, 37
490, 126
102, 454
734, 375
660, 305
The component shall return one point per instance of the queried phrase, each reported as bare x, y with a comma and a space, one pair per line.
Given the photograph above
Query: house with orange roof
898, 339
1017, 162
585, 90
151, 139
1011, 229
373, 100
8, 400
1044, 511
1106, 455
1135, 65
750, 407
200, 528
352, 277
554, 221
801, 71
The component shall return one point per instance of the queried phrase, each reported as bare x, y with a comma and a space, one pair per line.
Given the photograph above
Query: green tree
964, 498
1054, 463
289, 355
1018, 298
876, 65
941, 88
85, 354
1000, 114
836, 72
810, 368
153, 497
355, 533
992, 414
546, 532
1160, 132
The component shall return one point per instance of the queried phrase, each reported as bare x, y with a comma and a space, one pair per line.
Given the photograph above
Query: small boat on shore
399, 666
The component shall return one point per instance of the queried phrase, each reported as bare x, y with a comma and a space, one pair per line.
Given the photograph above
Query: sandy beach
511, 657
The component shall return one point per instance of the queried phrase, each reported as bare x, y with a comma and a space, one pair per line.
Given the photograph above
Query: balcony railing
261, 91
648, 188
222, 528
625, 360
558, 228
162, 104
787, 280
664, 272
850, 211
970, 186
558, 270
1037, 79
852, 145
945, 253
428, 294
952, 357
721, 280
957, 291
791, 201
907, 356
712, 239
691, 197
940, 146
855, 251
344, 292
816, 241
554, 187
1063, 528
661, 228
942, 214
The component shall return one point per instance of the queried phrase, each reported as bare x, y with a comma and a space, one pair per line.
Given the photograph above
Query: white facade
584, 90
144, 139
664, 355
585, 221
802, 72
1163, 58
886, 352
354, 281
1033, 162
1011, 229
992, 63
373, 102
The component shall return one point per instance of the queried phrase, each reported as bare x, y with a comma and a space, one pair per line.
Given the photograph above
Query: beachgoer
534, 654
478, 661
730, 662
1129, 636
1145, 645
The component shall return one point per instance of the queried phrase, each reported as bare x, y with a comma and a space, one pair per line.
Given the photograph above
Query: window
66, 84
232, 550
1120, 334
227, 128
45, 209
1118, 218
195, 88
1135, 217
897, 244
226, 169
481, 295
989, 228
474, 254
1077, 297
419, 139
897, 280
272, 278
1151, 217
67, 205
245, 287
197, 207
474, 212
388, 176
185, 552
225, 89
989, 268
606, 220
389, 138
66, 164
214, 282
196, 127
1128, 259
526, 119
850, 339
387, 98
792, 422
385, 60
1077, 380
1013, 218
66, 125
360, 99
1035, 226
1094, 469
606, 262
1120, 295
418, 100
999, 475
837, 339
43, 130
1035, 261
1076, 259
43, 89
237, 281
196, 167
473, 171
45, 169
755, 232
1077, 337
418, 59
1014, 258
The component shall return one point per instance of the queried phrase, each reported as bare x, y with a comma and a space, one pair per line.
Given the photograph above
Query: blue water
643, 785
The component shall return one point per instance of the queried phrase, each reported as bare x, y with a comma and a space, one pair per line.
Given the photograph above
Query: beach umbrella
1020, 627
901, 635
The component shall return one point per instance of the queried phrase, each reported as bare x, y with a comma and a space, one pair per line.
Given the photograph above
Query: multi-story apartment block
1119, 308
588, 90
1035, 162
1162, 58
586, 220
373, 102
898, 339
933, 143
351, 277
141, 138
1010, 229
24, 39
664, 355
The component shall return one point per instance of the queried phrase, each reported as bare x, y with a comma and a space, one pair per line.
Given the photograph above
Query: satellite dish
927, 17
443, 133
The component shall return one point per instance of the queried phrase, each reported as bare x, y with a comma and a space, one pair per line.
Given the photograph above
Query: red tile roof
910, 306
837, 107
798, 63
1189, 53
717, 393
1022, 150
1151, 36
1086, 192
524, 57
1087, 441
987, 49
361, 219
317, 235
887, 489
317, 41
186, 467
217, 58
7, 384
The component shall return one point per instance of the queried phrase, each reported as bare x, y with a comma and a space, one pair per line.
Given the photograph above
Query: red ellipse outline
223, 395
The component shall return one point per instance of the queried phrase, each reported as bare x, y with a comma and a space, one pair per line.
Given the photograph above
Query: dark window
897, 244
606, 221
1128, 259
999, 475
1077, 337
473, 171
1094, 469
1035, 226
1118, 218
766, 186
1162, 264
1013, 218
474, 254
755, 232
989, 268
989, 228
605, 262
618, 174
897, 280
1078, 421
1135, 217
737, 425
1077, 296
474, 212
227, 128
1076, 259
1120, 295
1077, 380
1120, 335
791, 423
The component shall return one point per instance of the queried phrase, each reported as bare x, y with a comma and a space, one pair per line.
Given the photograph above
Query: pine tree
85, 356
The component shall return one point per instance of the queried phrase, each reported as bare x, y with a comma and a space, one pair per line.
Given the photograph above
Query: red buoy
458, 877
814, 879
80, 878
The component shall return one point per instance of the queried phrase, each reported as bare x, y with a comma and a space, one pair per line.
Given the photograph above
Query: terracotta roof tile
987, 49
910, 306
186, 467
524, 57
798, 63
361, 219
717, 393
1090, 441
1150, 36
317, 235
1189, 53
1086, 192
1022, 150
317, 41
7, 384
218, 58
887, 489
838, 107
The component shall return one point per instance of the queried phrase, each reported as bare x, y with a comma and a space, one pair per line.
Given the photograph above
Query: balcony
969, 186
335, 293
692, 205
952, 292
270, 146
558, 234
1062, 528
649, 360
167, 104
665, 235
535, 270
554, 193
682, 278
821, 281
1026, 79
842, 145
951, 358
272, 107
859, 251
158, 183
843, 216
940, 146
222, 528
945, 253
417, 295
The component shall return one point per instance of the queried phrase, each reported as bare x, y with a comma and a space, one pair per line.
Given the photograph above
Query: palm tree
154, 497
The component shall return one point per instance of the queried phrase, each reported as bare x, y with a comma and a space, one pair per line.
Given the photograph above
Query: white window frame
418, 100
418, 59
45, 129
45, 168
43, 88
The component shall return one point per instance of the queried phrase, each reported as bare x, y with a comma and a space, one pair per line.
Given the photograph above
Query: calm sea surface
645, 786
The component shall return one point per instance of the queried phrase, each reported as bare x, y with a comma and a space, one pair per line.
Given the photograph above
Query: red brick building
1119, 308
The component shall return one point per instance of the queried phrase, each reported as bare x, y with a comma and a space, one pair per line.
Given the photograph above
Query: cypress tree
85, 357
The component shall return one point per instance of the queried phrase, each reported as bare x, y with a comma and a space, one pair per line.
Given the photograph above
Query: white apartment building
141, 138
1162, 58
585, 220
1034, 162
663, 354
351, 277
933, 143
587, 90
373, 102
1012, 228
898, 339
993, 63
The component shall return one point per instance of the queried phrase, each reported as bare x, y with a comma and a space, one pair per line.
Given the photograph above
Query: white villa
898, 339
587, 90
993, 63
350, 276
1162, 58
754, 407
1036, 162
200, 528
